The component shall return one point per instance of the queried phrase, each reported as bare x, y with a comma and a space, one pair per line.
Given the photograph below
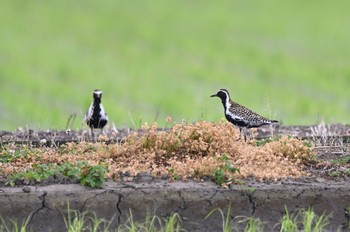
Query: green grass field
284, 59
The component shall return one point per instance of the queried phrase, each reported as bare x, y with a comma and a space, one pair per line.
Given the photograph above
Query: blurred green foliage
288, 60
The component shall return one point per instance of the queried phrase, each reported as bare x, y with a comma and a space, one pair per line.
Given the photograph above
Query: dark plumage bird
239, 115
96, 116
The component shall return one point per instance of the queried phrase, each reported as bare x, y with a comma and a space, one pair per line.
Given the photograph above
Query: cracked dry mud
192, 200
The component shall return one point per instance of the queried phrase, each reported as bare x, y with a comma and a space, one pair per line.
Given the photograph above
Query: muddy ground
327, 189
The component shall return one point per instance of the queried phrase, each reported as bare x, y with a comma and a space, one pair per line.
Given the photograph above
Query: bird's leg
240, 133
92, 132
245, 134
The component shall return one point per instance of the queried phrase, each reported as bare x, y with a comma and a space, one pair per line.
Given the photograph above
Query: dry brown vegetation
186, 151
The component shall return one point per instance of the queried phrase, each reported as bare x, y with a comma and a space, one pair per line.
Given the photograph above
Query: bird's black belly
97, 123
240, 123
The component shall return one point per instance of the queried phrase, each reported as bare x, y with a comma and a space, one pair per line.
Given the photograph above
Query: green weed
14, 152
262, 142
341, 161
14, 225
312, 222
252, 224
220, 176
152, 224
173, 223
37, 173
308, 144
93, 176
338, 173
226, 220
248, 190
289, 223
76, 221
70, 170
172, 174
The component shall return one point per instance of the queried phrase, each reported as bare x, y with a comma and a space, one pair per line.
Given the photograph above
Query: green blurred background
288, 60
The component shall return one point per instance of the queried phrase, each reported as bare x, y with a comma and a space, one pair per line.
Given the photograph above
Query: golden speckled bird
239, 115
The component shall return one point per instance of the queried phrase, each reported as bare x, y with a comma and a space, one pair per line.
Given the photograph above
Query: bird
241, 116
96, 116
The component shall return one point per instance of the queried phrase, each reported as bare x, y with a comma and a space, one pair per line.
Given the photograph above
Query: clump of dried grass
194, 150
187, 151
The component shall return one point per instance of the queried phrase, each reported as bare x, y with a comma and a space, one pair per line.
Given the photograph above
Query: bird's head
97, 94
223, 94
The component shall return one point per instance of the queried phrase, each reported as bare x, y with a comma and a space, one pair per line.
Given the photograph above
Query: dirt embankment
192, 200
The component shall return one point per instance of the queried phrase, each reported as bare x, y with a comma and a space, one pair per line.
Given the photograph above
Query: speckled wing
250, 118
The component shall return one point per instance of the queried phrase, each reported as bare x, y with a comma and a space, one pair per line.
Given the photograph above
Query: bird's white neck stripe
227, 103
228, 112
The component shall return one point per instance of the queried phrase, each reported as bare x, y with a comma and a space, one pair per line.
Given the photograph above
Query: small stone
143, 176
320, 180
27, 189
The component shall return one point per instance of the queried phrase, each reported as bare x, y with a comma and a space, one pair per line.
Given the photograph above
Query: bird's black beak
214, 95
